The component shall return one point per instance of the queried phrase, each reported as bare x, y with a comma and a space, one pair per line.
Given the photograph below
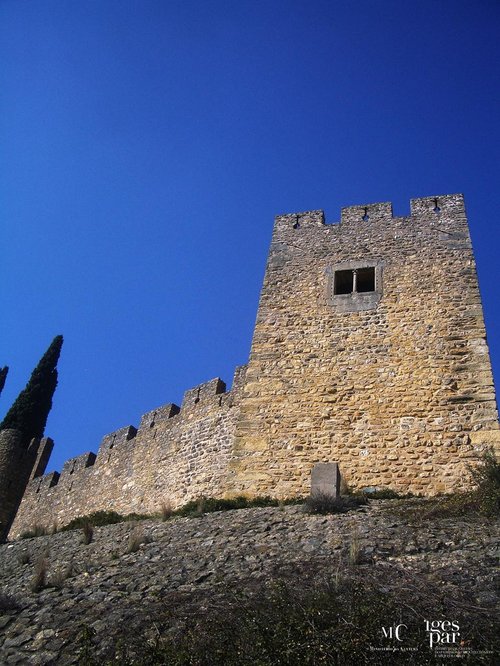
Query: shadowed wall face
19, 462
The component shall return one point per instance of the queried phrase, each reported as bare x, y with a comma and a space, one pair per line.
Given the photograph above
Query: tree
3, 376
31, 408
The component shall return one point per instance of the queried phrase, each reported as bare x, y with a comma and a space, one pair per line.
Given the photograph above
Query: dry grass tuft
39, 578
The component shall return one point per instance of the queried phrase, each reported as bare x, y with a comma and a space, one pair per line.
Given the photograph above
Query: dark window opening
365, 279
343, 283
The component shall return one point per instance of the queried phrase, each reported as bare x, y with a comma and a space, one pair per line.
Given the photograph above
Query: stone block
325, 479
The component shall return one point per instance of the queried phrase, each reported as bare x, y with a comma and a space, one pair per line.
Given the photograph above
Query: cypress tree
31, 408
3, 376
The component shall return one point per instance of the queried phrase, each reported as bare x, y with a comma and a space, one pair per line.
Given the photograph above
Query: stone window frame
355, 301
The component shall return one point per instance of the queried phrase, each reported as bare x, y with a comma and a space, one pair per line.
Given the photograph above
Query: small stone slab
325, 479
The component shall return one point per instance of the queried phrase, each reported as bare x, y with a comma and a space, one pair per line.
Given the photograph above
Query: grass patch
99, 518
322, 503
35, 531
385, 493
210, 504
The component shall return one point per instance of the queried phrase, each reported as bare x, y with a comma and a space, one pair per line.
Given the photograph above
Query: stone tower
20, 461
369, 350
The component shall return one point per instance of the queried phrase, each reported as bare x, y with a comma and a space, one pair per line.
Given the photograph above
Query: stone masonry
369, 351
394, 382
175, 455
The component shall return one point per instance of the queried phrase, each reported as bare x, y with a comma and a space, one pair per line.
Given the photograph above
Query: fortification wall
176, 454
392, 382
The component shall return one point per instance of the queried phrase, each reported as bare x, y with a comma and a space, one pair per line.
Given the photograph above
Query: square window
365, 279
343, 283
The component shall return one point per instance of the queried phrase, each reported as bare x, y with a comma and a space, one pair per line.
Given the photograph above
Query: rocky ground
116, 587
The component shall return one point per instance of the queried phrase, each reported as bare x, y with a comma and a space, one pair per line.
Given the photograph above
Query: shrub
383, 493
211, 504
136, 539
39, 579
200, 506
88, 533
61, 575
98, 518
484, 499
166, 511
486, 476
24, 557
35, 531
322, 503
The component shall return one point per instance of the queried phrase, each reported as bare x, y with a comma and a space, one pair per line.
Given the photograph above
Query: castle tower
19, 463
369, 350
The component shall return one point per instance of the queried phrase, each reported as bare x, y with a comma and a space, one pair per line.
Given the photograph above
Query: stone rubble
115, 592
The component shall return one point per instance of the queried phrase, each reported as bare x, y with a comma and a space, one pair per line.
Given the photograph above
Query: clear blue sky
147, 145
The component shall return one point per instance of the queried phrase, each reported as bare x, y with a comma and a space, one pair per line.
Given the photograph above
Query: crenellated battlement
436, 208
155, 416
77, 464
199, 429
203, 392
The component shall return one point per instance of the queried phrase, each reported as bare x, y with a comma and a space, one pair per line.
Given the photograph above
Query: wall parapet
438, 208
172, 443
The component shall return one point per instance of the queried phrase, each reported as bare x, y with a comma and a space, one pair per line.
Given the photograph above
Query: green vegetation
485, 497
323, 503
483, 500
98, 518
385, 493
210, 504
31, 408
3, 376
35, 531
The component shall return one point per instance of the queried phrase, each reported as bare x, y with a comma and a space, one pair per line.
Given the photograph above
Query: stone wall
176, 454
394, 383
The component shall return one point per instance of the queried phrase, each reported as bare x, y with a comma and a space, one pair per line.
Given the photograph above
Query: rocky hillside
131, 577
